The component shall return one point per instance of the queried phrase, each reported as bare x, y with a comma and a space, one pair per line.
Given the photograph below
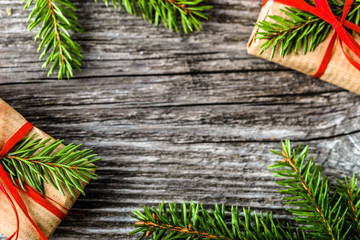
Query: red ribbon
323, 11
14, 195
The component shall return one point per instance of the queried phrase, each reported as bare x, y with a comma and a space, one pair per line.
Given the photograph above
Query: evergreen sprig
351, 200
33, 162
167, 11
322, 208
300, 29
57, 20
195, 222
320, 213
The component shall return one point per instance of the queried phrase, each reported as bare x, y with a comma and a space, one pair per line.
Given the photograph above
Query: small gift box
334, 53
26, 213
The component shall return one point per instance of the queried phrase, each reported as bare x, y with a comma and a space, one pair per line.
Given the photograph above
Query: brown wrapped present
10, 122
339, 70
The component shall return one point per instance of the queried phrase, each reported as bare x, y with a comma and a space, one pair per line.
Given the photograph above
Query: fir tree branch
300, 28
167, 11
57, 19
196, 222
324, 210
34, 162
310, 193
350, 193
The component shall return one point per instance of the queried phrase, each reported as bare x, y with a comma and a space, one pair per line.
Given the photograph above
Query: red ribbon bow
14, 195
323, 11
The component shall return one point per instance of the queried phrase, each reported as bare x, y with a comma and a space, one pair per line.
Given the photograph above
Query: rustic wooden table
174, 117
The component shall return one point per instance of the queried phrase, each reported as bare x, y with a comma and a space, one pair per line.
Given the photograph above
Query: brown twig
276, 34
53, 15
189, 229
182, 6
46, 163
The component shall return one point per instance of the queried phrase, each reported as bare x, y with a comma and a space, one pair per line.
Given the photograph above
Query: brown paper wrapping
339, 72
10, 122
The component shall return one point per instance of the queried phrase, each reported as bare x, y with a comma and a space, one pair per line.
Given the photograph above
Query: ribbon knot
323, 11
14, 196
337, 25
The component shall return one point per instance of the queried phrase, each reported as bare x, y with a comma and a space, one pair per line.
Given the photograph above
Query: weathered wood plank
175, 117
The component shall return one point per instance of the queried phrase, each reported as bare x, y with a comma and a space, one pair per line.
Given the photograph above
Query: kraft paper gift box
10, 122
339, 71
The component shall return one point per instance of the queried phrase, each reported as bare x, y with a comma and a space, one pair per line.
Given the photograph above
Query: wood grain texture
175, 117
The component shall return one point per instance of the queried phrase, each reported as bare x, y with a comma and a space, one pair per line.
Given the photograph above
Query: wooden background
174, 117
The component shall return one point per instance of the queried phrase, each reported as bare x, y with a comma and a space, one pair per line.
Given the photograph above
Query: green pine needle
34, 162
323, 209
